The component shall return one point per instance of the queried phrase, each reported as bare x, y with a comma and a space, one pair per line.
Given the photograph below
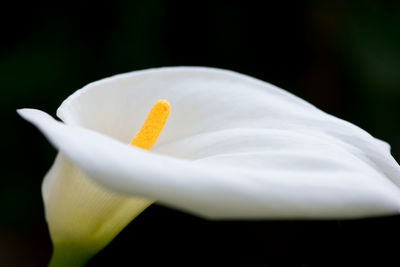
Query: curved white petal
283, 174
209, 102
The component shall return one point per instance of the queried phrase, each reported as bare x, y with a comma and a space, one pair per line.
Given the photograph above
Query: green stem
69, 256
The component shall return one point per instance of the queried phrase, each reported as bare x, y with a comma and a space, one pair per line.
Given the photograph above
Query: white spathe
233, 147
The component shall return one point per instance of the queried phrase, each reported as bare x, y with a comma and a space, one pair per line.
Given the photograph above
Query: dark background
342, 56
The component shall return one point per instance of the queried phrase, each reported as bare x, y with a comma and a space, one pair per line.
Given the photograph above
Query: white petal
207, 100
313, 176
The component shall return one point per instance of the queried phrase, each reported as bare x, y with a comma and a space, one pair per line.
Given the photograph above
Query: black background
342, 56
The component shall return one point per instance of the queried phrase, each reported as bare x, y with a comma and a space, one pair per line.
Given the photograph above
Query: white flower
234, 147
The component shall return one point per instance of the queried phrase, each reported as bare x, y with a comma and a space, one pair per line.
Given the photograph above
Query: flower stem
67, 256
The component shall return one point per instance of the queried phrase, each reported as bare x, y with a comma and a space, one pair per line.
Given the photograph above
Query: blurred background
342, 56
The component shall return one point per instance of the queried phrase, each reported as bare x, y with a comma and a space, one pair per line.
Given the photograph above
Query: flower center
152, 126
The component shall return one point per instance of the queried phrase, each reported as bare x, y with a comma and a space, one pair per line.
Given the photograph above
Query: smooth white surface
233, 147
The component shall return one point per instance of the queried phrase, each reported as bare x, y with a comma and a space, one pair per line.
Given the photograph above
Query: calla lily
234, 147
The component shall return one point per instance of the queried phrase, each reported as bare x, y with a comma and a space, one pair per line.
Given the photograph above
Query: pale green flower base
70, 255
